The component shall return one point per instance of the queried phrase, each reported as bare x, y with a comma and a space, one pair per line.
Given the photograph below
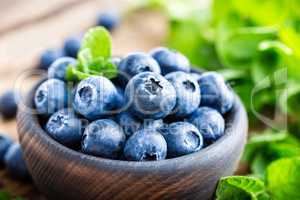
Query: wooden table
30, 26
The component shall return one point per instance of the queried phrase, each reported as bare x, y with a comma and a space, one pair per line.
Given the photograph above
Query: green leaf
93, 57
271, 56
259, 165
237, 47
73, 74
257, 143
283, 179
240, 188
4, 195
98, 41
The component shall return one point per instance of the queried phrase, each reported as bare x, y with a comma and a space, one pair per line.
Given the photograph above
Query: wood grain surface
30, 26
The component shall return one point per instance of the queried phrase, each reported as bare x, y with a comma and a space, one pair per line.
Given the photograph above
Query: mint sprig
94, 57
240, 188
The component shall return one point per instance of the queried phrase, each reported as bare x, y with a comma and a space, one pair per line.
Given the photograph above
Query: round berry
210, 123
128, 122
48, 57
188, 93
51, 96
9, 104
65, 127
95, 97
15, 163
170, 60
109, 20
136, 63
215, 93
146, 145
72, 46
182, 138
150, 96
58, 68
5, 143
103, 138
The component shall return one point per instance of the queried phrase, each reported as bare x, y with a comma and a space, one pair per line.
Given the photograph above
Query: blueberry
103, 138
182, 138
188, 93
48, 57
136, 63
128, 122
95, 97
209, 122
65, 127
9, 104
109, 20
72, 46
120, 98
58, 68
51, 96
146, 145
5, 143
215, 93
15, 163
153, 124
170, 60
150, 96
196, 76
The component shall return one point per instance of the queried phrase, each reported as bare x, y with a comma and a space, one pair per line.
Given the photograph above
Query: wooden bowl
62, 173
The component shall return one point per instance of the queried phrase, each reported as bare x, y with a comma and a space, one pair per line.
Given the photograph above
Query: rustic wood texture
29, 27
62, 173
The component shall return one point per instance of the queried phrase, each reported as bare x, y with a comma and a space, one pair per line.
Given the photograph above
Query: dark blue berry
215, 93
182, 138
58, 68
210, 123
146, 145
109, 20
170, 60
65, 127
72, 46
188, 93
15, 163
136, 63
51, 96
48, 57
150, 96
9, 104
103, 138
95, 97
128, 122
5, 143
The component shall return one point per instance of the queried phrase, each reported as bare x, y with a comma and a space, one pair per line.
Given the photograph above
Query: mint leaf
259, 165
73, 74
240, 187
257, 143
283, 179
93, 57
98, 41
84, 58
4, 195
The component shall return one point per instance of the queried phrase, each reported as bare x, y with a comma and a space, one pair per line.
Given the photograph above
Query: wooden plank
21, 13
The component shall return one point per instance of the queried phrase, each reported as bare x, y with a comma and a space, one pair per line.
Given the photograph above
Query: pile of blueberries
71, 46
156, 108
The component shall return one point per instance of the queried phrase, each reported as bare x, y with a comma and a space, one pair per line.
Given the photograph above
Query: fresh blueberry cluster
156, 108
11, 156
